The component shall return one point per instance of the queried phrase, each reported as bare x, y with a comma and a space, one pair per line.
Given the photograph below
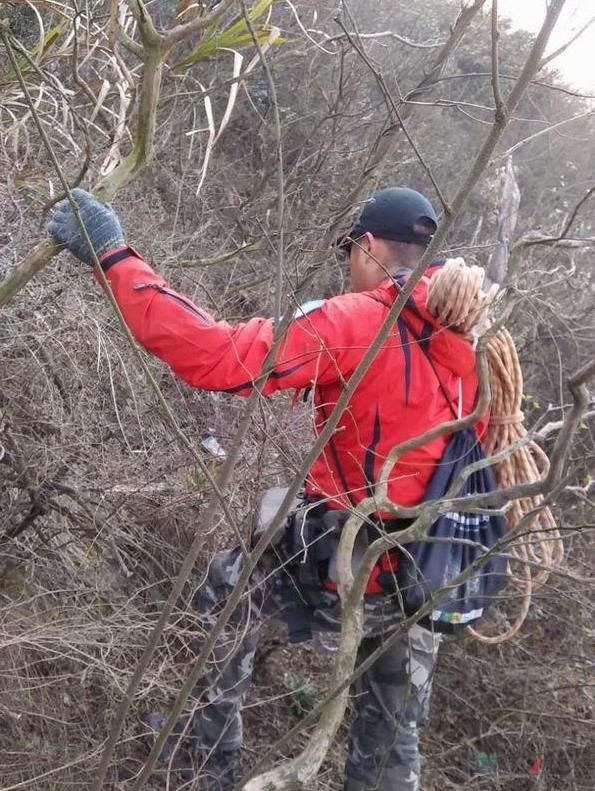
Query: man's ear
366, 241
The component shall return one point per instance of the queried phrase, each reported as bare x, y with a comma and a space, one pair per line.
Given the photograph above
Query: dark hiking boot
220, 770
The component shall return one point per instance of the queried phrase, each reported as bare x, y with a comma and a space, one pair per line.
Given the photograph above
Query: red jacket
398, 398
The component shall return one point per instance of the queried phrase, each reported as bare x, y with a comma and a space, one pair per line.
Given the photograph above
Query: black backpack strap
424, 346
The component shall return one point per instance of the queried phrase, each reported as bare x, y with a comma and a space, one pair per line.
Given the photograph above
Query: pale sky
577, 64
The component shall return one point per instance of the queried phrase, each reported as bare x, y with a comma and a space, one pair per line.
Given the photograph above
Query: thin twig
387, 140
393, 107
280, 171
514, 78
184, 31
560, 240
530, 68
545, 131
500, 104
103, 115
569, 43
380, 34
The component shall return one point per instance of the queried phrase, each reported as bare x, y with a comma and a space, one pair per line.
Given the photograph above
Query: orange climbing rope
457, 299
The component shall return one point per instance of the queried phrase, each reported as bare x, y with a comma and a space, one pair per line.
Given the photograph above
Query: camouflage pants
390, 699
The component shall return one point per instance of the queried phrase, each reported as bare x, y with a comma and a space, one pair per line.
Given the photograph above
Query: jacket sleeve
318, 347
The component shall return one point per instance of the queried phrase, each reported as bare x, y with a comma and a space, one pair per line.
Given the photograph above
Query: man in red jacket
398, 398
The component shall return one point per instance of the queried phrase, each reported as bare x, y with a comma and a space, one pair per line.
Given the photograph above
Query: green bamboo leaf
253, 14
42, 48
227, 40
243, 39
235, 36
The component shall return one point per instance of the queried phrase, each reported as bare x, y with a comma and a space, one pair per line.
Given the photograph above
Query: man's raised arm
208, 354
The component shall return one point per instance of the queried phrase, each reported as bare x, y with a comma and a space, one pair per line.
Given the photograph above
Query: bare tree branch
561, 240
380, 34
280, 173
153, 52
187, 29
556, 425
545, 131
497, 267
568, 44
395, 110
529, 70
514, 78
388, 138
500, 105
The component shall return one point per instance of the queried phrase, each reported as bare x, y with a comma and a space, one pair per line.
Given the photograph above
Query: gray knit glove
99, 219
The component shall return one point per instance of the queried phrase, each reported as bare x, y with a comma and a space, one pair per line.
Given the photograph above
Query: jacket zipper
176, 298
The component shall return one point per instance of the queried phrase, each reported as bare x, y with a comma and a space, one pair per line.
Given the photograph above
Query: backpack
455, 541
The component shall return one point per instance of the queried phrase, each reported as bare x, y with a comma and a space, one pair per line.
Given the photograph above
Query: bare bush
101, 500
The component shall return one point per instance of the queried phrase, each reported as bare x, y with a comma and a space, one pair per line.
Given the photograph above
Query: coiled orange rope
456, 298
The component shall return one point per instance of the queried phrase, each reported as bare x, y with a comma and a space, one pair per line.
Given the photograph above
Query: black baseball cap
392, 213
